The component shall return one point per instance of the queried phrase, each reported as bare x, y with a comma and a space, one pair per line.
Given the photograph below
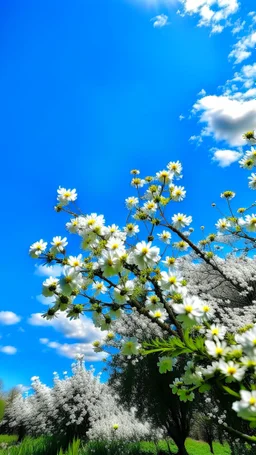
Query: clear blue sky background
90, 89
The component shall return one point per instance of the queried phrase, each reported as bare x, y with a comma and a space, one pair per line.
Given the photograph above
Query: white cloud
181, 117
9, 318
212, 13
9, 350
225, 157
242, 49
70, 350
226, 119
202, 92
238, 26
44, 300
81, 329
196, 139
160, 21
48, 270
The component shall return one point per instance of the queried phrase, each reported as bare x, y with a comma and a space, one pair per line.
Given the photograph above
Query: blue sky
90, 89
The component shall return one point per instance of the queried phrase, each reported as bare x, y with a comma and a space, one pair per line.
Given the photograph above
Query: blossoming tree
119, 273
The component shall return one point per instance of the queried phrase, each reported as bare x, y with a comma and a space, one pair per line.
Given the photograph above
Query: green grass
50, 446
8, 439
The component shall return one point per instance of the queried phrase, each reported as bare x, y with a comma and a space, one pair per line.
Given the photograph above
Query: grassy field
49, 446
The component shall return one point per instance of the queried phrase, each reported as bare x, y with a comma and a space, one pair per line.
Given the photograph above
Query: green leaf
204, 388
230, 391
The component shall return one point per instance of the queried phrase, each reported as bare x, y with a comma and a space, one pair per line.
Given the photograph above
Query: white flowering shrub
119, 273
76, 406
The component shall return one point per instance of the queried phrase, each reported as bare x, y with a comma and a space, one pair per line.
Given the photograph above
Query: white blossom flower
131, 202
180, 220
223, 224
175, 168
178, 193
164, 176
216, 331
188, 311
216, 348
246, 407
59, 244
75, 262
149, 207
169, 282
131, 229
144, 255
169, 262
250, 222
109, 263
65, 196
50, 286
252, 181
165, 236
37, 248
231, 369
99, 287
159, 314
122, 292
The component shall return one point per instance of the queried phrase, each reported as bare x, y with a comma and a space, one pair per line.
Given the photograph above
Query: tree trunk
181, 448
211, 446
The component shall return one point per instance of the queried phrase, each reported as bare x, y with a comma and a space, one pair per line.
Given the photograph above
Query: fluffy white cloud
9, 350
48, 270
226, 119
44, 300
80, 329
160, 21
243, 48
70, 350
225, 158
238, 26
9, 318
212, 13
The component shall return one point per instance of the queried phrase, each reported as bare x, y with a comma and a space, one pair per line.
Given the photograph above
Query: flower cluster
78, 406
120, 276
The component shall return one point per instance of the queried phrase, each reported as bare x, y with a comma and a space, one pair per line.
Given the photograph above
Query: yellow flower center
219, 350
206, 308
172, 280
75, 263
252, 401
91, 222
158, 314
110, 262
171, 261
115, 246
188, 308
144, 250
231, 370
67, 194
253, 221
215, 331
